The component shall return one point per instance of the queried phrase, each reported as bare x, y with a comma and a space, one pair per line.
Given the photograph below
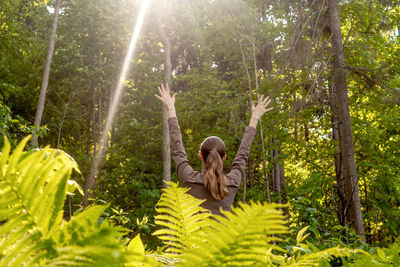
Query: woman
211, 184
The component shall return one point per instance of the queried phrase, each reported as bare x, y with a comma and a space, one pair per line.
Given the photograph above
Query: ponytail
214, 179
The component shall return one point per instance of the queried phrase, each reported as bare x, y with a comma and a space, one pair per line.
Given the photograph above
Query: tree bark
94, 121
88, 134
345, 132
99, 125
278, 176
250, 100
46, 73
338, 159
261, 127
167, 78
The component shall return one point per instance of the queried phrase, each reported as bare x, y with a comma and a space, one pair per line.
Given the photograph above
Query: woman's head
212, 142
212, 151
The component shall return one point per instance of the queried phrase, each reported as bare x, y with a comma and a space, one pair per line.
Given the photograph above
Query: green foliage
249, 235
381, 257
307, 254
33, 188
34, 185
14, 127
292, 52
181, 216
246, 236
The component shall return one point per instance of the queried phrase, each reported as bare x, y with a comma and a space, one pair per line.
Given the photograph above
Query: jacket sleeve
239, 163
184, 170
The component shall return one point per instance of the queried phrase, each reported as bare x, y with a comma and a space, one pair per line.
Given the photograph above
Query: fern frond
394, 253
383, 257
315, 258
33, 189
245, 236
181, 215
27, 226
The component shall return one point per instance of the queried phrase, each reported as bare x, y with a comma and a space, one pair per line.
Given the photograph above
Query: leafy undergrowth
33, 188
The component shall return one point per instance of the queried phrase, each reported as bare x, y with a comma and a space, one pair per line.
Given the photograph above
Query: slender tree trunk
167, 79
46, 73
345, 132
88, 135
272, 155
94, 132
91, 178
99, 125
261, 127
338, 159
278, 176
66, 105
250, 100
306, 133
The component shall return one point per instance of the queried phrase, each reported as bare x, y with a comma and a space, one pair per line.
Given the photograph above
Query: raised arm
184, 170
239, 162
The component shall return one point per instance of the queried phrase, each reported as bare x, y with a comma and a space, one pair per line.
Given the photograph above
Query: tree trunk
345, 133
66, 105
46, 73
99, 125
94, 121
278, 178
306, 133
167, 79
88, 135
271, 154
338, 160
250, 100
261, 127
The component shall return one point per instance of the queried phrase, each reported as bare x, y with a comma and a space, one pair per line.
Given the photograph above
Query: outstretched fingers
266, 103
164, 90
266, 100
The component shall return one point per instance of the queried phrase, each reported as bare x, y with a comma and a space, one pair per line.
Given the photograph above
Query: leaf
72, 186
381, 254
136, 246
300, 236
247, 236
181, 216
33, 189
63, 158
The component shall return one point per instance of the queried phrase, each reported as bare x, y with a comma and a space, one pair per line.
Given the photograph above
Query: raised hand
167, 100
165, 96
261, 108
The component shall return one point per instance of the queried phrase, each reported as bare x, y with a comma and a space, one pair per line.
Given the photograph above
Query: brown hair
213, 150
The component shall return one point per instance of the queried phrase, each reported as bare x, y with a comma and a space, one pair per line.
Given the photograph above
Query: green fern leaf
33, 187
181, 216
26, 227
245, 236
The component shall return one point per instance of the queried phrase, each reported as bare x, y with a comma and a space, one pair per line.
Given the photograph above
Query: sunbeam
117, 95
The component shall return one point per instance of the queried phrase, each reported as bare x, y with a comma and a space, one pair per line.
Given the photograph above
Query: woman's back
195, 180
217, 193
200, 191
